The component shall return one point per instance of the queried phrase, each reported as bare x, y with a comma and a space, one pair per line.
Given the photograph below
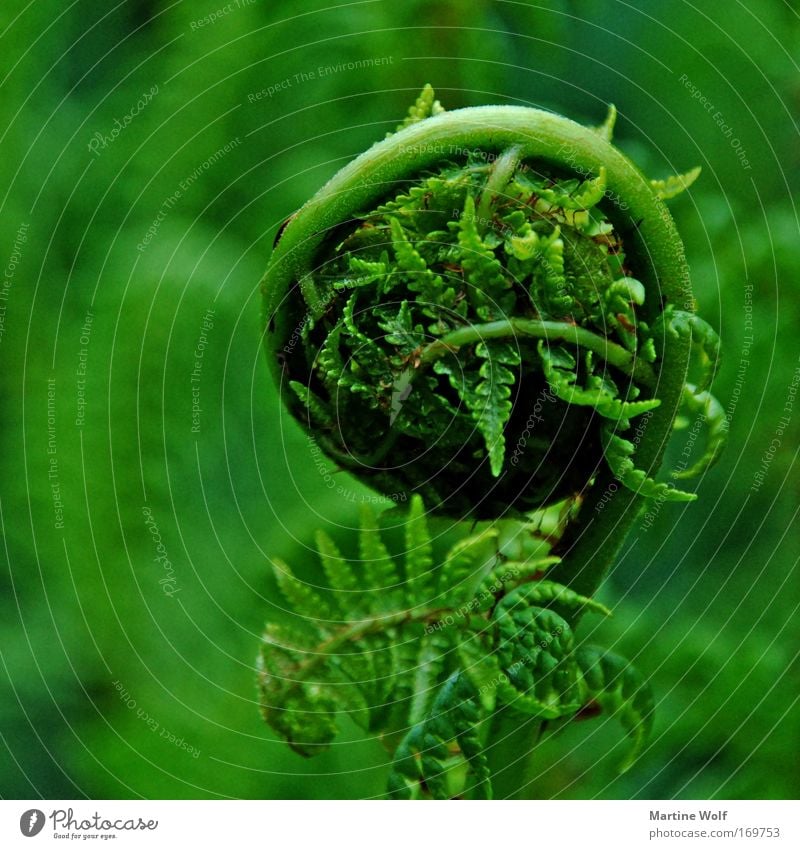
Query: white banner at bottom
398, 825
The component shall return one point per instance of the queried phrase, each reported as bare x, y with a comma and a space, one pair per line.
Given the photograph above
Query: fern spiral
489, 314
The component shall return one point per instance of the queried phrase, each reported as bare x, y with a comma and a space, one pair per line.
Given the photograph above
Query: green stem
368, 626
612, 353
511, 754
502, 171
609, 351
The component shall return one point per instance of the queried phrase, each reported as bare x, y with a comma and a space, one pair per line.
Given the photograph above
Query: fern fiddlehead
488, 312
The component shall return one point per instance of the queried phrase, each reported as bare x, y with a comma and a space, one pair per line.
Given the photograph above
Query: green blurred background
127, 677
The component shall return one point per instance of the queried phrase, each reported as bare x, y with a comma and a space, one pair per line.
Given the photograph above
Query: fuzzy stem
511, 755
502, 171
612, 353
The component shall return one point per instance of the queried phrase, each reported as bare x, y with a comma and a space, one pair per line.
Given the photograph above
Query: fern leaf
485, 274
339, 573
618, 453
542, 257
425, 106
365, 273
430, 663
591, 191
588, 194
365, 350
553, 294
480, 665
539, 675
507, 574
370, 662
687, 325
408, 258
491, 403
317, 408
425, 760
397, 654
623, 293
705, 405
549, 593
301, 597
421, 279
559, 367
676, 184
301, 711
330, 364
400, 330
419, 554
380, 571
464, 567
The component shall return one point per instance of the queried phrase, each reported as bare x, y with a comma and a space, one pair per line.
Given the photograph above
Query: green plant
488, 313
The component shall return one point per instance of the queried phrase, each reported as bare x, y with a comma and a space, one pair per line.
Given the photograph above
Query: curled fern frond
702, 408
619, 453
690, 328
489, 310
613, 685
486, 241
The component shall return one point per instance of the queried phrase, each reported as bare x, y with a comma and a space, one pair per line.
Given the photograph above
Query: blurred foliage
706, 598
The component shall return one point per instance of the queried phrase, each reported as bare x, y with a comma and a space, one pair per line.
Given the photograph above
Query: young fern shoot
487, 316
